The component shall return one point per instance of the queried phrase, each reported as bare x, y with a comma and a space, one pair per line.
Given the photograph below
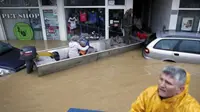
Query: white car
184, 48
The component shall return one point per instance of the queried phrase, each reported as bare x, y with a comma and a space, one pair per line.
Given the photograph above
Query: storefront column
174, 14
129, 4
106, 20
61, 20
42, 20
2, 34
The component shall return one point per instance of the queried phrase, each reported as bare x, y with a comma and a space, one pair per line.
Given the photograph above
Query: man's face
167, 86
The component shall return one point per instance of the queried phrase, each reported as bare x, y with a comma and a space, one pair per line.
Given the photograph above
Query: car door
188, 51
163, 49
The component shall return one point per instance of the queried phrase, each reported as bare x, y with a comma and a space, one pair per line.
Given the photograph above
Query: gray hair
177, 73
75, 38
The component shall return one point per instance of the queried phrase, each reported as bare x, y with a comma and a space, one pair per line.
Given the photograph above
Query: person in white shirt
74, 47
72, 21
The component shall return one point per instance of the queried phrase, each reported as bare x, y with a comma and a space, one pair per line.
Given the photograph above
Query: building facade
58, 19
176, 15
185, 15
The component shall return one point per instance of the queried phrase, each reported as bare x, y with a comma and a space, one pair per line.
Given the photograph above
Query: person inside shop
75, 47
170, 95
72, 23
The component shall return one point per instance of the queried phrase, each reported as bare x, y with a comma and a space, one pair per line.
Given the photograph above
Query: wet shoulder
190, 104
150, 91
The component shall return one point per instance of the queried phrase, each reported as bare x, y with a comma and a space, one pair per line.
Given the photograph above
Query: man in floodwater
74, 47
171, 94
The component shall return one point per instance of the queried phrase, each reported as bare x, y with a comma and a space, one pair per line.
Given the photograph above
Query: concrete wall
161, 11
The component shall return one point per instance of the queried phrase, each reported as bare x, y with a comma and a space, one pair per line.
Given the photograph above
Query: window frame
117, 4
67, 5
20, 6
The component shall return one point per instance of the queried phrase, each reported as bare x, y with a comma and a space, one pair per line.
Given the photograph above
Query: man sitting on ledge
171, 94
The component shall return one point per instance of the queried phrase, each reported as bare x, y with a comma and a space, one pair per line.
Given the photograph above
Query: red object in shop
141, 35
83, 17
51, 29
68, 28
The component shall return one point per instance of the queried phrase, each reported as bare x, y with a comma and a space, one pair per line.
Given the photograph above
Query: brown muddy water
110, 84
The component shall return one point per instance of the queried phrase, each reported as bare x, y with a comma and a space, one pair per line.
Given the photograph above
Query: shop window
115, 22
22, 24
18, 3
51, 24
188, 21
116, 2
49, 2
84, 2
189, 4
86, 22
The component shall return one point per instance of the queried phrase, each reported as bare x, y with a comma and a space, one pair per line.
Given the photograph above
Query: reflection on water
110, 84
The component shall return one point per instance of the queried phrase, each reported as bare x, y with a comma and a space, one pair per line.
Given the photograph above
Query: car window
150, 39
4, 47
189, 46
166, 44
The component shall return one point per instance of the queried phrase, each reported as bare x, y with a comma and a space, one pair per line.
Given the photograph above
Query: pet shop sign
21, 16
23, 31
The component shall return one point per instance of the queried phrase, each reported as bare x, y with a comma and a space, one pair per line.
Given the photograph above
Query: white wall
2, 37
129, 4
62, 20
174, 17
175, 4
161, 11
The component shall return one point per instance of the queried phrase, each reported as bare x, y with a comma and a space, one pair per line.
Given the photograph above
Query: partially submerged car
10, 59
181, 47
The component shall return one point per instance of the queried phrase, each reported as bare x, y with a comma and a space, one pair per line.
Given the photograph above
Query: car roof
178, 35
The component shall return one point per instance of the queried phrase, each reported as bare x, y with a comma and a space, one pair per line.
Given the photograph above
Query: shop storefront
60, 19
185, 16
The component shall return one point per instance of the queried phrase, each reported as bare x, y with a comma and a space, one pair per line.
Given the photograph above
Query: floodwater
110, 84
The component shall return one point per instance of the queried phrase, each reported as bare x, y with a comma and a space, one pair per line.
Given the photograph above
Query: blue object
92, 17
82, 110
10, 60
86, 41
101, 19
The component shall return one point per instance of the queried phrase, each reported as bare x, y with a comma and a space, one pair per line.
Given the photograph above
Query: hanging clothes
92, 17
83, 17
72, 22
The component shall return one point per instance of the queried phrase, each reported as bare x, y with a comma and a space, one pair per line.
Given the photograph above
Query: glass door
51, 24
115, 22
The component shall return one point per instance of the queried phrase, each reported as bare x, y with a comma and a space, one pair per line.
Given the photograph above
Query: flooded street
110, 84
